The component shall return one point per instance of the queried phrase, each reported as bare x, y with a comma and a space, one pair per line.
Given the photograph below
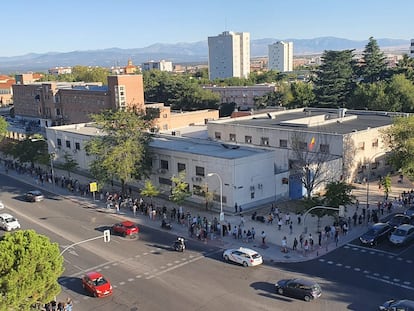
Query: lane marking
371, 250
390, 282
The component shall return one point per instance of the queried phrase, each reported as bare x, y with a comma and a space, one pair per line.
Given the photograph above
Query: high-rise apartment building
229, 55
281, 56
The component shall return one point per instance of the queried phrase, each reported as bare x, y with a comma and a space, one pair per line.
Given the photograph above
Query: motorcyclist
179, 244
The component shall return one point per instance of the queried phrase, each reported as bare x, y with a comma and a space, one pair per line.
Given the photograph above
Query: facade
161, 65
6, 90
229, 55
60, 71
243, 96
352, 135
281, 56
243, 182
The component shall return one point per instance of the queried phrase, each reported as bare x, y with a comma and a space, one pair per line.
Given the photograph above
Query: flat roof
318, 120
204, 147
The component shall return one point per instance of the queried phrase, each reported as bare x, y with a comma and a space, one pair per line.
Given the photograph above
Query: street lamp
221, 197
52, 157
369, 172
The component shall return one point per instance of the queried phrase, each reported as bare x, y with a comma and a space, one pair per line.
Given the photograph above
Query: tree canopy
3, 128
373, 67
30, 266
122, 152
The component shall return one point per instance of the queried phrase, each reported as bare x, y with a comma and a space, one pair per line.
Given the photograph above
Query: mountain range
179, 53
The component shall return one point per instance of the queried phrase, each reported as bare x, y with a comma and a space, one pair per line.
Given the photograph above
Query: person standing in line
284, 245
290, 228
253, 233
263, 235
279, 224
235, 207
295, 244
134, 209
306, 248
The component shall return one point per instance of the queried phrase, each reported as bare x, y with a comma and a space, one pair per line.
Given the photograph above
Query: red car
96, 284
125, 228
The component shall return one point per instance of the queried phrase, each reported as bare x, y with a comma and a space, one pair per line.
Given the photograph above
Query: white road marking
390, 282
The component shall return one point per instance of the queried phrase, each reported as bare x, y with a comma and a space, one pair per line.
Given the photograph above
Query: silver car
404, 234
8, 222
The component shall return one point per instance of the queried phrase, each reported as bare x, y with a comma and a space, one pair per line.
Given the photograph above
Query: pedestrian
290, 228
134, 209
117, 207
295, 244
357, 204
69, 304
287, 219
279, 224
336, 238
263, 235
299, 218
235, 207
305, 248
301, 240
239, 232
253, 233
240, 210
241, 220
320, 238
284, 245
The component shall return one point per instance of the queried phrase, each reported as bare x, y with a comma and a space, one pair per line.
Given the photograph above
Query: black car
398, 220
399, 305
410, 211
377, 233
305, 289
33, 196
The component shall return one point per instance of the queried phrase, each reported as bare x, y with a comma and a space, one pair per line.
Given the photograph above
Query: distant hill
196, 52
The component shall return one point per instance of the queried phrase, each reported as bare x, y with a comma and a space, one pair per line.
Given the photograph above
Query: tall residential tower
281, 56
229, 55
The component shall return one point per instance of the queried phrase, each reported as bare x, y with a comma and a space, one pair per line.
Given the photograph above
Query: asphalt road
148, 275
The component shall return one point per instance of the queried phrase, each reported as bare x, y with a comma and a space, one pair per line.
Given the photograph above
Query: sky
41, 26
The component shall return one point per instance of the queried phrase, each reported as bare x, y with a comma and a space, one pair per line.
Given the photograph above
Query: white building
161, 65
229, 55
281, 56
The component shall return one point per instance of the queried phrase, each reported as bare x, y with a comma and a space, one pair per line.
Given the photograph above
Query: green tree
31, 150
3, 128
69, 164
371, 96
335, 79
180, 189
30, 266
302, 95
149, 190
373, 67
385, 183
399, 138
122, 152
338, 193
405, 66
400, 93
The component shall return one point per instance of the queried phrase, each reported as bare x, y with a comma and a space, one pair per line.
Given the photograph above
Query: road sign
107, 236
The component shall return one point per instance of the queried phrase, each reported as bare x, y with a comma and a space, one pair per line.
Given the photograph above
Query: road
148, 275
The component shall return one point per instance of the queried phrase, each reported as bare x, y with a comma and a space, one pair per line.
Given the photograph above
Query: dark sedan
305, 289
398, 220
377, 233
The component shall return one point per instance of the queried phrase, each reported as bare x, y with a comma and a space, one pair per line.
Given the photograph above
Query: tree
405, 66
371, 96
335, 79
122, 152
70, 164
31, 150
30, 266
338, 193
373, 67
310, 163
385, 183
3, 128
302, 95
149, 190
399, 138
179, 190
400, 92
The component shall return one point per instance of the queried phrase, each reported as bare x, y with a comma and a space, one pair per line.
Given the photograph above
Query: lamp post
52, 157
369, 173
221, 198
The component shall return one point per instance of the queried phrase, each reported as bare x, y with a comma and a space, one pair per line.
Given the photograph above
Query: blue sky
30, 26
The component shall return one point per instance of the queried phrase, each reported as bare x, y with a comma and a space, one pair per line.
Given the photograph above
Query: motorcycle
166, 225
179, 245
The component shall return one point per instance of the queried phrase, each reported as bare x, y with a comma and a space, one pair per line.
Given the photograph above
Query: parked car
305, 289
404, 234
125, 228
410, 211
397, 305
8, 222
34, 196
96, 284
244, 256
399, 219
376, 234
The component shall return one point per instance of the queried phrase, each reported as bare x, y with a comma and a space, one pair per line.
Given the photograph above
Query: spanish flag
312, 143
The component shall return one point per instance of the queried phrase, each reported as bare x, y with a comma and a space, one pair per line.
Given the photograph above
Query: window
217, 135
59, 142
303, 145
232, 137
77, 146
164, 164
198, 190
361, 145
264, 141
67, 144
180, 167
283, 143
324, 148
199, 171
164, 181
248, 139
375, 143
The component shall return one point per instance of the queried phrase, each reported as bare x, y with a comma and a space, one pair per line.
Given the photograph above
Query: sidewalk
271, 250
